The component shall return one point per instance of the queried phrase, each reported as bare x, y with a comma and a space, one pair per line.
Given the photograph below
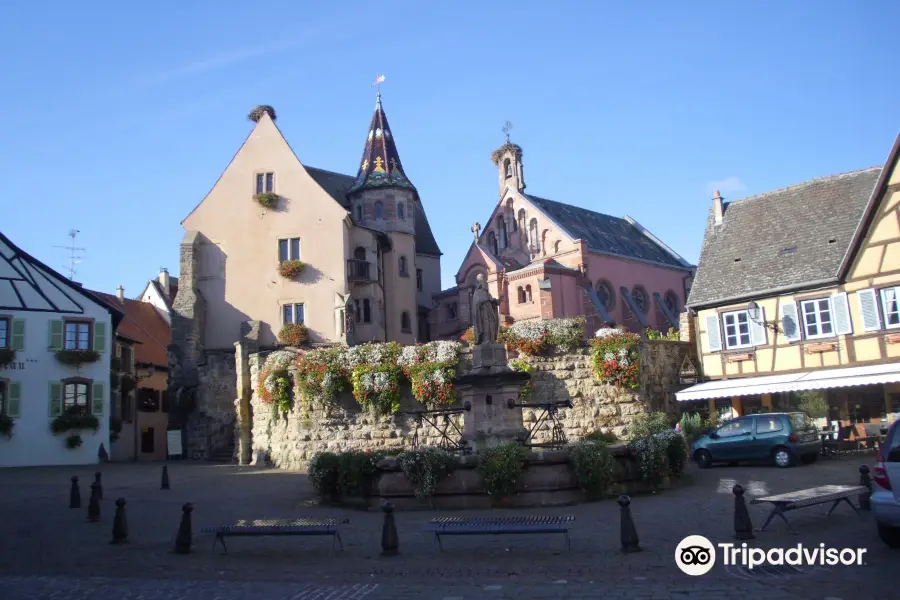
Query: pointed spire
380, 164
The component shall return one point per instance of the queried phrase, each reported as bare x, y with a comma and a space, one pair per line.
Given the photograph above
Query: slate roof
142, 323
604, 233
339, 185
380, 163
788, 238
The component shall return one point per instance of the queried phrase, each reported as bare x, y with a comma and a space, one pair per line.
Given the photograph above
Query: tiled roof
142, 323
786, 238
338, 185
604, 233
380, 163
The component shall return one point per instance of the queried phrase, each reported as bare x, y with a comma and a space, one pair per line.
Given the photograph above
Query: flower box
820, 347
7, 355
293, 335
77, 357
267, 200
290, 268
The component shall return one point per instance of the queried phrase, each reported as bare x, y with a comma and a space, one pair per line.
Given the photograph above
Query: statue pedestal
488, 388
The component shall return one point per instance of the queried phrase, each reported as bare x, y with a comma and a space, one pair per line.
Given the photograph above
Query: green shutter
17, 341
56, 335
56, 398
100, 337
14, 401
97, 399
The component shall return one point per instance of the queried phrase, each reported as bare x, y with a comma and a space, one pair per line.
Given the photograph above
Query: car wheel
782, 457
703, 459
809, 459
889, 535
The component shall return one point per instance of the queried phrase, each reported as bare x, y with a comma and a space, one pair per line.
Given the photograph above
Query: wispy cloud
728, 186
228, 59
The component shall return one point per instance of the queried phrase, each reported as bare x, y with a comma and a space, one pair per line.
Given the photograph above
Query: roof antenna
74, 257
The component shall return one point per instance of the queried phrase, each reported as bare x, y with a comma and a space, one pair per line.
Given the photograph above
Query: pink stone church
545, 259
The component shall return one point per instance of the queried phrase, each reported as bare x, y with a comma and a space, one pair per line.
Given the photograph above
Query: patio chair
831, 445
845, 444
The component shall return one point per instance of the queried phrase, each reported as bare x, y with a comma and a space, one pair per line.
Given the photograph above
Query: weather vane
377, 84
507, 127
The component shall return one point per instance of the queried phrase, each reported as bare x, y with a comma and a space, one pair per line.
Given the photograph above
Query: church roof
380, 164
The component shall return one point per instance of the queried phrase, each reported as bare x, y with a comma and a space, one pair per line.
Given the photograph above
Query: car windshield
801, 421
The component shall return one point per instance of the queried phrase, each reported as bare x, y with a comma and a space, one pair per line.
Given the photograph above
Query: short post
120, 524
165, 478
629, 535
390, 543
99, 483
865, 499
743, 527
94, 504
183, 539
74, 494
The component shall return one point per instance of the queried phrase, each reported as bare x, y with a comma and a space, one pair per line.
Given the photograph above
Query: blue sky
118, 117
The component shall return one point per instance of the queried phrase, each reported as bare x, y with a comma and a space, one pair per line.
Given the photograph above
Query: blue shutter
14, 400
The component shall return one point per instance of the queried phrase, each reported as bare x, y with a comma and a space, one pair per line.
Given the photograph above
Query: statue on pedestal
485, 315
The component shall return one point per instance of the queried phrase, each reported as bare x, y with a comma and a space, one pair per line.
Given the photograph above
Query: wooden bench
265, 527
783, 503
498, 526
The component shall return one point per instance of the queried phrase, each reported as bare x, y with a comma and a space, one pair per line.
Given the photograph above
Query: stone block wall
211, 427
660, 365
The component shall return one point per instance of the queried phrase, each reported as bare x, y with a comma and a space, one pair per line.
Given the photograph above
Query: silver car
886, 491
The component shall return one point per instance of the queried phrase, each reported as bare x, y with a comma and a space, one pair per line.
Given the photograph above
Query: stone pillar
243, 424
686, 331
188, 318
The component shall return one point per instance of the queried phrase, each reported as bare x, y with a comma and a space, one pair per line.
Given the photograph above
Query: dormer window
507, 168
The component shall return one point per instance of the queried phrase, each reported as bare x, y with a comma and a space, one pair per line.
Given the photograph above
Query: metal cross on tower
507, 127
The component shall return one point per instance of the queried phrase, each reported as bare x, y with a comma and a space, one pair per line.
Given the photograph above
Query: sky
117, 118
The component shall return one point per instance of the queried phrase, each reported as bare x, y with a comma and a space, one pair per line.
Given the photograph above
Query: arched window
492, 243
544, 241
521, 294
556, 246
404, 269
367, 311
533, 235
671, 301
639, 295
359, 212
401, 211
359, 253
501, 225
604, 292
379, 210
405, 325
522, 220
527, 293
507, 168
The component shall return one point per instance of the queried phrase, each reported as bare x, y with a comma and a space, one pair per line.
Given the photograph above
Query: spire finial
507, 127
377, 84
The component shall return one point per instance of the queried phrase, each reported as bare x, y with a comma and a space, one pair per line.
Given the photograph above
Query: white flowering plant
652, 459
537, 336
425, 468
321, 374
431, 369
377, 388
616, 358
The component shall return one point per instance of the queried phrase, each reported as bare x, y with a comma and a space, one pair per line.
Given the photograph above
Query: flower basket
77, 357
267, 200
290, 268
74, 441
74, 419
377, 388
539, 336
616, 359
468, 337
6, 426
293, 335
7, 355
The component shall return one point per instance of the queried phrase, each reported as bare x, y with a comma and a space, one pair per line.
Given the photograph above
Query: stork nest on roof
497, 154
257, 113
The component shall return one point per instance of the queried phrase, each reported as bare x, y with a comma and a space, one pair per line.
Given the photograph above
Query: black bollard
102, 454
165, 478
99, 483
183, 539
74, 494
629, 535
865, 499
390, 543
120, 524
94, 503
743, 527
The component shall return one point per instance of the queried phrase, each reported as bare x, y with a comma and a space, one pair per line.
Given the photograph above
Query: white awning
793, 382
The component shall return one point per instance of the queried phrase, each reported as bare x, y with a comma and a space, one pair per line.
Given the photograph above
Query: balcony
359, 270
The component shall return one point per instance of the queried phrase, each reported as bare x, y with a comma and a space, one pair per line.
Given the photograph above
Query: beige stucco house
370, 263
797, 290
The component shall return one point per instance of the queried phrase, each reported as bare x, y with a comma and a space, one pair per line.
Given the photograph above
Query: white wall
152, 296
32, 443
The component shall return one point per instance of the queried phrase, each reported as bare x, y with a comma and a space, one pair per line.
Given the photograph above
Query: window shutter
56, 336
14, 401
713, 336
868, 308
97, 399
17, 339
758, 329
100, 337
56, 398
841, 308
790, 324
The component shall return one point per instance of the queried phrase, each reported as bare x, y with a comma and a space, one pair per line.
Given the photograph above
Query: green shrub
601, 437
676, 452
652, 458
501, 468
593, 466
74, 419
336, 476
425, 468
693, 426
647, 424
323, 474
813, 403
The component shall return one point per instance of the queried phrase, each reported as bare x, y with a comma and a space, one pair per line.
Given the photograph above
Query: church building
545, 259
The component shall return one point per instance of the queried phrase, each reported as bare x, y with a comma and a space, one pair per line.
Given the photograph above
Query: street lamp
753, 311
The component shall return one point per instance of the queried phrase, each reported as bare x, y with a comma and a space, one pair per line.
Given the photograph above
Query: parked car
783, 438
886, 488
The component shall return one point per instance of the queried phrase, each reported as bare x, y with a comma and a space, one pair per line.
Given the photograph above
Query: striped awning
822, 379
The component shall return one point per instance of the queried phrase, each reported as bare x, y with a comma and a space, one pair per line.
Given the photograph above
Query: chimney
164, 280
120, 293
718, 208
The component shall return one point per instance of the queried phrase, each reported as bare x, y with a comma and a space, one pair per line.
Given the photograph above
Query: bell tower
508, 159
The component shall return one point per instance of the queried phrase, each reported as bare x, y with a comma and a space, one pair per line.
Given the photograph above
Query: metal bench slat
473, 525
302, 526
812, 496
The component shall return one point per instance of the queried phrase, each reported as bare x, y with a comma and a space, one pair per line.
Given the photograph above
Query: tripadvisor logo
695, 555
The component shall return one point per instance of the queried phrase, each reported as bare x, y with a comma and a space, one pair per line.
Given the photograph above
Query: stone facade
660, 365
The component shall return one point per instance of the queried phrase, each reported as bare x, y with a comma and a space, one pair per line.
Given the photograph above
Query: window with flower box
76, 394
292, 314
817, 318
4, 332
289, 249
737, 329
265, 183
77, 335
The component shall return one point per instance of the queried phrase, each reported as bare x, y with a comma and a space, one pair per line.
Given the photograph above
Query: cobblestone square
51, 551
